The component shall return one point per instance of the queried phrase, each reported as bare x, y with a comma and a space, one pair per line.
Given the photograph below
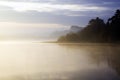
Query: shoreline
84, 43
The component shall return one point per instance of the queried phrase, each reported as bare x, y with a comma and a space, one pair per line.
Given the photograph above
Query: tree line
97, 31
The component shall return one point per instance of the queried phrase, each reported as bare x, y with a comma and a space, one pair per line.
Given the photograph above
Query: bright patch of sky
48, 7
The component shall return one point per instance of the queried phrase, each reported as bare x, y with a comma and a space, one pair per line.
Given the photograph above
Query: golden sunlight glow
18, 25
21, 31
18, 58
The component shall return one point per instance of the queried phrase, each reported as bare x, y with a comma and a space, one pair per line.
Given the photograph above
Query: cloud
37, 18
42, 17
48, 7
65, 12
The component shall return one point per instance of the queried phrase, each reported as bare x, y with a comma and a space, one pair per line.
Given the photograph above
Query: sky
34, 19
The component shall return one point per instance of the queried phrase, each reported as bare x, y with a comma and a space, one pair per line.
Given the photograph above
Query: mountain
75, 29
72, 29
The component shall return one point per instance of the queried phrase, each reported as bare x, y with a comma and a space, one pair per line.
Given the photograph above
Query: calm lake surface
47, 61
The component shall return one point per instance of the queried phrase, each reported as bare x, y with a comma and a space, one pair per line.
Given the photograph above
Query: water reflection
108, 54
37, 61
102, 54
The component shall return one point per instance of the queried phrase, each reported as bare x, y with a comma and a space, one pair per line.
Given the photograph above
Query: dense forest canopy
97, 31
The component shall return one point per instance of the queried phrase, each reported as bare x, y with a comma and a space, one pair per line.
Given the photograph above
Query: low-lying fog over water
48, 61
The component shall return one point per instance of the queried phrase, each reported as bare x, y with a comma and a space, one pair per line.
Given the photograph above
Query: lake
52, 61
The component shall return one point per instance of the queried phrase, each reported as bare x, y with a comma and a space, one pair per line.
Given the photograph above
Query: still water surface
45, 61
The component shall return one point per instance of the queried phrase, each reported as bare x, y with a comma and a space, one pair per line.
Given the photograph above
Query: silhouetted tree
93, 32
97, 31
114, 26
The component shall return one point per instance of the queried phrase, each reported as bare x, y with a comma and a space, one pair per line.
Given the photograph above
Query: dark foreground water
44, 61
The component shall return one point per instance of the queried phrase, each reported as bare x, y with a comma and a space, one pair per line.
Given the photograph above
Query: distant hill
73, 29
96, 31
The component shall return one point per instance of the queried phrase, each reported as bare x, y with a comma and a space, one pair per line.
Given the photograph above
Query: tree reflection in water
109, 54
99, 53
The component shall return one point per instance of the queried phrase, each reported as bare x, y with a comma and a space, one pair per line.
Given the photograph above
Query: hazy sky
34, 18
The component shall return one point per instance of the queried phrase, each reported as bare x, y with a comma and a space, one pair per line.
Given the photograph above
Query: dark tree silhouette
97, 31
114, 27
93, 33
